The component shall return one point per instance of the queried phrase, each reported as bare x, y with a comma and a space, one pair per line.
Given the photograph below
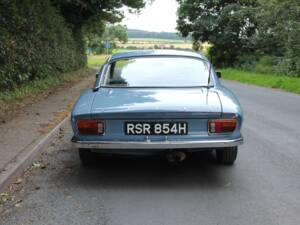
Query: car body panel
156, 100
194, 105
230, 103
84, 103
156, 53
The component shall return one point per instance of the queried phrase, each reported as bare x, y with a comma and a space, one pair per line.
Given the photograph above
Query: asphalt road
263, 187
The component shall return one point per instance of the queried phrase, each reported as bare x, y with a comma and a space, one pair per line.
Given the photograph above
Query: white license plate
156, 128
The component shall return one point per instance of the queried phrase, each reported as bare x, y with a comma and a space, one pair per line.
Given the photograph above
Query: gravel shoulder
34, 121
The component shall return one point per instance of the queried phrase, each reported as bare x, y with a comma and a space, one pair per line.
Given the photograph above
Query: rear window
157, 72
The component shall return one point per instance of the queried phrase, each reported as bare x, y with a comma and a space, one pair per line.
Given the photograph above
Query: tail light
218, 126
90, 126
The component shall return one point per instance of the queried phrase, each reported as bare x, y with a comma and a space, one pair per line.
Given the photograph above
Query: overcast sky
158, 16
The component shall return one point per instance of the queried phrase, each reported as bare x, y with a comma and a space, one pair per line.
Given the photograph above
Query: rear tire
87, 157
227, 156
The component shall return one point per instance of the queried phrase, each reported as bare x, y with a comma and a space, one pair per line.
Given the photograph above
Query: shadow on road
198, 171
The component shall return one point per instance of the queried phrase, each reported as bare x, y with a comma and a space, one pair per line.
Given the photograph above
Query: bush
270, 65
265, 65
35, 43
289, 66
246, 62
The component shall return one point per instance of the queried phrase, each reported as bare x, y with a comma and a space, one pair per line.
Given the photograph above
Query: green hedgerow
35, 43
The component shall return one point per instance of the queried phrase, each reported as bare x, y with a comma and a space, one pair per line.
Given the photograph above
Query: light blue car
157, 102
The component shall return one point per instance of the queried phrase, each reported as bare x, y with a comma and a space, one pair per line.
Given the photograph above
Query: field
158, 40
146, 43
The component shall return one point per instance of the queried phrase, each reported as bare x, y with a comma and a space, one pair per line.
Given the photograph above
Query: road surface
262, 188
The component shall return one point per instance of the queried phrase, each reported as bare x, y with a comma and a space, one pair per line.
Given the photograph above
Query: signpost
106, 46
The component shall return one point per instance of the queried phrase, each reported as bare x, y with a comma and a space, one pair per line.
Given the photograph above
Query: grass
12, 101
35, 87
96, 60
290, 84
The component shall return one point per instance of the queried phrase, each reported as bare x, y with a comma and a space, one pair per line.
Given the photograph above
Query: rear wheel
87, 157
227, 155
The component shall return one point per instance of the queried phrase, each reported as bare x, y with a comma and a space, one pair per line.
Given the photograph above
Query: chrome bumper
157, 144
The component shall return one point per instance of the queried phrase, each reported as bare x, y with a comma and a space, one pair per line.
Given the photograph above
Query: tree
227, 24
279, 38
111, 33
88, 17
88, 13
116, 33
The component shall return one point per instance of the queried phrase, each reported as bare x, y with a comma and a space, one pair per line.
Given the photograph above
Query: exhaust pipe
175, 156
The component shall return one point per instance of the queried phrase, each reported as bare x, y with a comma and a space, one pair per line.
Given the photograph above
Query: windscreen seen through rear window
158, 72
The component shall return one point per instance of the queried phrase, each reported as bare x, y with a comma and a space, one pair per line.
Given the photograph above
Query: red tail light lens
90, 126
221, 126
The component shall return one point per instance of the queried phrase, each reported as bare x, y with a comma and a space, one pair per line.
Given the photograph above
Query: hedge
36, 42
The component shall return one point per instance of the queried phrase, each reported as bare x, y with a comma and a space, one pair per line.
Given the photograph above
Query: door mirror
97, 81
98, 75
219, 74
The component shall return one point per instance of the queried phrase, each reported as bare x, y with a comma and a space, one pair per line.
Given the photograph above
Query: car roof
150, 52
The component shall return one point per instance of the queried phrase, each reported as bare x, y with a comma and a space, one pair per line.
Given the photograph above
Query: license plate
156, 128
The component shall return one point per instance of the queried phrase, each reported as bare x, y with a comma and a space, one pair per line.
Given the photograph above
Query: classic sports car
157, 102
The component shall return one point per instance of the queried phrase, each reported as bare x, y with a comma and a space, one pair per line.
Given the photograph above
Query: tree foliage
112, 33
115, 33
91, 13
40, 38
278, 34
35, 42
252, 33
227, 24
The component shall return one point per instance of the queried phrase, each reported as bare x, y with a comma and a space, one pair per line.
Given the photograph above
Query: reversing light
90, 126
218, 126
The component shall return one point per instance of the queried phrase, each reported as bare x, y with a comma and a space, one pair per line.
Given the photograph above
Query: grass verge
95, 61
290, 84
12, 101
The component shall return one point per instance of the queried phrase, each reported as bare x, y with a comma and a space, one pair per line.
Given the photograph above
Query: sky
157, 16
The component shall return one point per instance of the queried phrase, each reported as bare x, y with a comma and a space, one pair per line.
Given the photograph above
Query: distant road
262, 188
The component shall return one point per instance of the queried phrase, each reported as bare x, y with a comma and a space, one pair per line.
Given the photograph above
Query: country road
262, 188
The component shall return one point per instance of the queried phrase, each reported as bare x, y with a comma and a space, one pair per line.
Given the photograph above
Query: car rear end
132, 114
198, 134
193, 121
